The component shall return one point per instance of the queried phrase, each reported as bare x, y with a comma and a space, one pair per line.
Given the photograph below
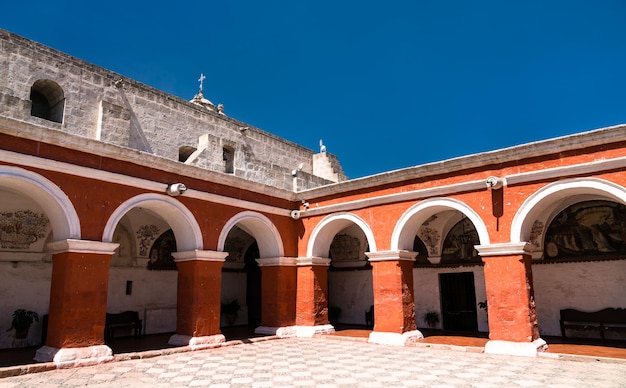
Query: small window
185, 152
48, 100
229, 160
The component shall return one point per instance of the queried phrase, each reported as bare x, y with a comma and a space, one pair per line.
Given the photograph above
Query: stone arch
411, 220
258, 226
59, 209
324, 232
548, 201
181, 220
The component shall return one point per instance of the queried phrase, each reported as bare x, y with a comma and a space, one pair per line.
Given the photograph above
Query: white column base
310, 331
72, 357
397, 339
281, 332
196, 343
528, 349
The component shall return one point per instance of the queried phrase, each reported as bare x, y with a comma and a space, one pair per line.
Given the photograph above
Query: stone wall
109, 107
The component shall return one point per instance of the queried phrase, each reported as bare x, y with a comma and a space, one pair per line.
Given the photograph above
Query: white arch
258, 226
57, 205
180, 219
544, 200
413, 218
324, 233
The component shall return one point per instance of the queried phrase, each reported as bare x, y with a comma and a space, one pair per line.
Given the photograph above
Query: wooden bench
609, 319
123, 320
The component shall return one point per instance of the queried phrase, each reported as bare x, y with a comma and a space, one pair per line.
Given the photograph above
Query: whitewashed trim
304, 261
395, 339
83, 246
277, 261
504, 249
145, 184
324, 232
199, 255
73, 357
258, 226
527, 349
391, 255
196, 343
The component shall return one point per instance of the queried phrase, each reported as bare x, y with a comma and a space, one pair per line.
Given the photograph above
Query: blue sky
386, 85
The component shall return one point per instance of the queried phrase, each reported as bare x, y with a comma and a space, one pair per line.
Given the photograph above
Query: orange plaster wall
198, 304
78, 300
393, 296
312, 296
278, 293
509, 296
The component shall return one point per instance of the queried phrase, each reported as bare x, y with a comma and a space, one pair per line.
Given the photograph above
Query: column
394, 302
312, 297
278, 293
198, 299
78, 302
510, 297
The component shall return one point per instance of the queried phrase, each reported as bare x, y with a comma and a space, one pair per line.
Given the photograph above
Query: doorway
458, 301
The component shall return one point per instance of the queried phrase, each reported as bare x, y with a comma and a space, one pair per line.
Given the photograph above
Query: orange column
394, 303
312, 294
78, 301
278, 293
198, 299
510, 297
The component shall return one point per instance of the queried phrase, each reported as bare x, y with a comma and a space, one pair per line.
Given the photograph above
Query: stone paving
330, 362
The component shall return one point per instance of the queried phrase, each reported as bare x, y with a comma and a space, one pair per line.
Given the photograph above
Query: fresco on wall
19, 229
458, 247
161, 253
146, 235
587, 229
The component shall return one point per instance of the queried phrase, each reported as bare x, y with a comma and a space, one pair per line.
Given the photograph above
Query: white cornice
277, 262
504, 249
106, 176
391, 255
83, 246
199, 255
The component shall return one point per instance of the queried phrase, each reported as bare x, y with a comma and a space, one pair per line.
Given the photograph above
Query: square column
394, 302
312, 297
78, 302
278, 293
513, 325
198, 299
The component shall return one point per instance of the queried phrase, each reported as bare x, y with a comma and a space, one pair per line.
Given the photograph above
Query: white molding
145, 184
199, 255
196, 343
319, 261
277, 262
528, 349
324, 232
310, 331
281, 332
73, 357
504, 249
391, 255
258, 226
83, 246
396, 339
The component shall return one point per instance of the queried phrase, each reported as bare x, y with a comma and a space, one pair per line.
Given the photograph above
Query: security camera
295, 214
176, 189
494, 183
294, 173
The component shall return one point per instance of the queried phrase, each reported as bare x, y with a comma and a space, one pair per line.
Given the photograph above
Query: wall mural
161, 252
19, 229
590, 228
345, 248
458, 247
146, 235
431, 238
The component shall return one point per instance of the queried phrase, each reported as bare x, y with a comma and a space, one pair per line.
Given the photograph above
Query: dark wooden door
458, 301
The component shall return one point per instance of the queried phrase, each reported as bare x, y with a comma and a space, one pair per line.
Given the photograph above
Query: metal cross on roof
202, 78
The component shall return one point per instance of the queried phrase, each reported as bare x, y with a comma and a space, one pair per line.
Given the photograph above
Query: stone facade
108, 107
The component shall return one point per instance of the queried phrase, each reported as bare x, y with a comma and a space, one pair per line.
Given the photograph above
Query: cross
202, 78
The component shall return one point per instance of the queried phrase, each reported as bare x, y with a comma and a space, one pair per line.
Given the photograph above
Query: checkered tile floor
329, 362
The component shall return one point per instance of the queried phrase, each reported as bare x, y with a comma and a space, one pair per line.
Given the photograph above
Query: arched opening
47, 100
228, 156
185, 152
448, 275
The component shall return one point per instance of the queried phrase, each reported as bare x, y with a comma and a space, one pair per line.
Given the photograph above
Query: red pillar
78, 301
198, 299
394, 303
312, 296
510, 297
278, 293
